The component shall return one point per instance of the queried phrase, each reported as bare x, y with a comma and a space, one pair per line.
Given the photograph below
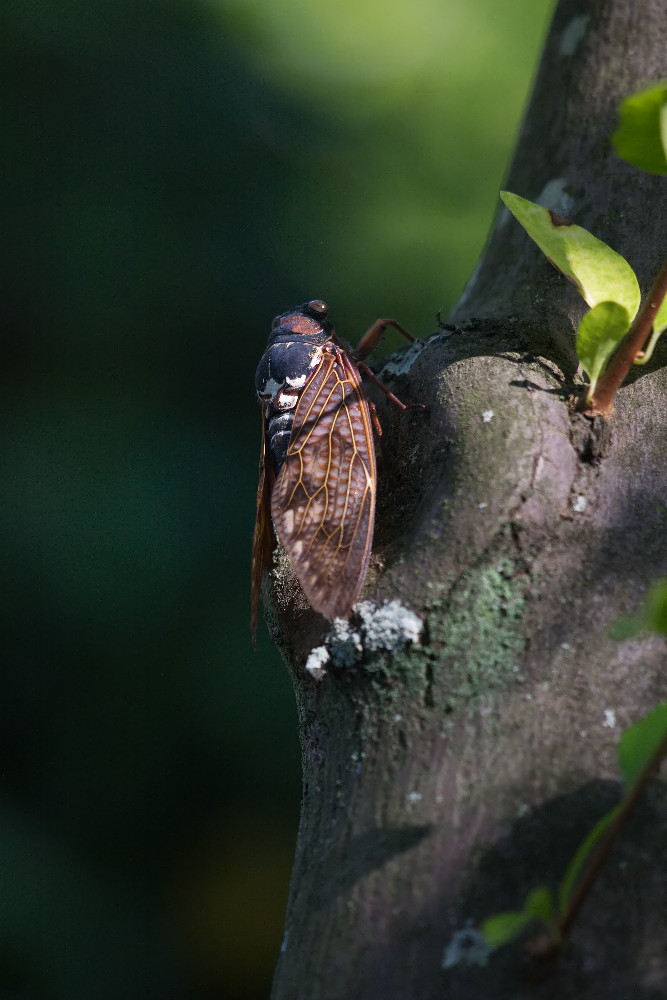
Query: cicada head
307, 320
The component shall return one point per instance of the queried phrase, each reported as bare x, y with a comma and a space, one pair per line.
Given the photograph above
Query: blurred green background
174, 174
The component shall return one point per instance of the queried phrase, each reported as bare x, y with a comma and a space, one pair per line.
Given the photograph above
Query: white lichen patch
573, 33
387, 628
390, 627
400, 364
579, 503
317, 661
609, 718
503, 217
344, 643
487, 416
414, 798
467, 947
554, 196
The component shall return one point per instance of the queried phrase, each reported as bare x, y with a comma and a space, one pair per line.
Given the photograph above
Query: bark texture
444, 780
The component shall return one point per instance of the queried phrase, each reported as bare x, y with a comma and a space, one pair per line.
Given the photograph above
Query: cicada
317, 472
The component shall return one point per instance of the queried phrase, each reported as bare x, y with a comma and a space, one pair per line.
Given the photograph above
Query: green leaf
580, 857
540, 904
659, 327
504, 927
627, 628
641, 135
598, 272
660, 319
655, 613
652, 617
640, 742
600, 332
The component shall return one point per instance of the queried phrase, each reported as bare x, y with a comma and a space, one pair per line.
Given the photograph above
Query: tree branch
444, 779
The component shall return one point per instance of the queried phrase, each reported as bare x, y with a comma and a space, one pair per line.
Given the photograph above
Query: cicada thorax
286, 366
319, 444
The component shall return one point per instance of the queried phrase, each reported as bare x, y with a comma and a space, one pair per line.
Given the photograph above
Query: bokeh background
174, 174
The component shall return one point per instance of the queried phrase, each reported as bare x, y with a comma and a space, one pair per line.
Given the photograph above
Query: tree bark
444, 780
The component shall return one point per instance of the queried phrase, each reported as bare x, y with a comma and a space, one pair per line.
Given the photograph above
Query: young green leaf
504, 927
627, 628
651, 618
640, 742
641, 135
600, 332
580, 858
655, 613
598, 272
540, 904
659, 327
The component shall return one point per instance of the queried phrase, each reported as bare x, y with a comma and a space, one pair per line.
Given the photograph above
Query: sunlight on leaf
600, 332
598, 272
640, 742
641, 135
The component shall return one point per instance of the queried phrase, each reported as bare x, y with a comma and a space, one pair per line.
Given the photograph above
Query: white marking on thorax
285, 402
316, 357
271, 388
296, 383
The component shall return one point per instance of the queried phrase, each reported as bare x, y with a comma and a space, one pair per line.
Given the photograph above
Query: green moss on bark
474, 638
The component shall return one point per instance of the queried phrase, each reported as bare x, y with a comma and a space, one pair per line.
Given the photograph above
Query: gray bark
443, 781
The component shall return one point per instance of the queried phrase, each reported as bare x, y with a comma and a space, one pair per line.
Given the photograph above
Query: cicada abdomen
317, 467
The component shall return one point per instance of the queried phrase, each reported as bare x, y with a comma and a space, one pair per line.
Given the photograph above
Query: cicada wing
264, 539
323, 503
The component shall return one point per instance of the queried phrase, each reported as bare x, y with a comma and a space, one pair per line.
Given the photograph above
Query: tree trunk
445, 779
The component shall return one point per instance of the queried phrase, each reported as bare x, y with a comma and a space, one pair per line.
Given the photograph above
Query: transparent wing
323, 503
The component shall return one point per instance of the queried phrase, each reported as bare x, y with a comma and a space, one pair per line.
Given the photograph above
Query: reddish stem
630, 347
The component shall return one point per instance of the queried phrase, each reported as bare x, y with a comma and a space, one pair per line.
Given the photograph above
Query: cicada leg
373, 335
369, 373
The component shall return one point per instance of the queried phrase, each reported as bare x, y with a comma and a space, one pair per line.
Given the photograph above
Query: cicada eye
318, 308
